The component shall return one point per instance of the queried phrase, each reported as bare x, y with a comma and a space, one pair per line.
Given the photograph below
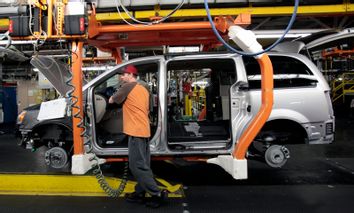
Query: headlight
21, 116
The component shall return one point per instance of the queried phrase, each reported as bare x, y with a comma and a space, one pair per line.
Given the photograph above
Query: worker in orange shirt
136, 125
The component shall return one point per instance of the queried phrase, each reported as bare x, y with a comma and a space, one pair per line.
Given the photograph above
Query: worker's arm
122, 93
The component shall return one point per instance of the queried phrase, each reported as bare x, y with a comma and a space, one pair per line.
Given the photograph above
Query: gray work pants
139, 165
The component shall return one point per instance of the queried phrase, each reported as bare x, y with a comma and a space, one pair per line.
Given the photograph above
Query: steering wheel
109, 91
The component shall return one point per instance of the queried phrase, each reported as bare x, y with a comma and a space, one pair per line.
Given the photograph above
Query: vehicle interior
109, 117
198, 112
198, 103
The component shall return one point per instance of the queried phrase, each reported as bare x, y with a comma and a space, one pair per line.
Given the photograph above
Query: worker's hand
111, 101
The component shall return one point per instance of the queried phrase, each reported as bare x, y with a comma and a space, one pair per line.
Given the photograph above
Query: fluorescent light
289, 35
5, 42
200, 83
183, 49
296, 33
101, 68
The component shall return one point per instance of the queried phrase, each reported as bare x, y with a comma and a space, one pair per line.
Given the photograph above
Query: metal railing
343, 86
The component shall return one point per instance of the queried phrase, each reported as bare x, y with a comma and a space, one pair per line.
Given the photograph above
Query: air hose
291, 22
6, 35
96, 169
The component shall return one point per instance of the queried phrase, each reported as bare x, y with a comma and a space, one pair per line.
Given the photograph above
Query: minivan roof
318, 41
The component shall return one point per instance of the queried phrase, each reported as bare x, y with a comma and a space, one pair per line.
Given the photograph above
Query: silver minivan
200, 105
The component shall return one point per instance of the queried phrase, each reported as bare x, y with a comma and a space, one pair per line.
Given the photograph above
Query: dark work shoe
135, 197
155, 201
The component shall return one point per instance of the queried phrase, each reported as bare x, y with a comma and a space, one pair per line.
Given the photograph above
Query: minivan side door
106, 120
206, 103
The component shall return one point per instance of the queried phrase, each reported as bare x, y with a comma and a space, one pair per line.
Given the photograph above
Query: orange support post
263, 113
117, 55
50, 18
77, 82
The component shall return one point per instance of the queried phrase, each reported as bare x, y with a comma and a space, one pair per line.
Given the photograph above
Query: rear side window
288, 73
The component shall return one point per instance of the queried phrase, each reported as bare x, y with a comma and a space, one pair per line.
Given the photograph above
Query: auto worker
136, 124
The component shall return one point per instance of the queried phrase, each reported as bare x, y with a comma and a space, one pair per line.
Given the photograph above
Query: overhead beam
343, 21
262, 23
320, 23
309, 10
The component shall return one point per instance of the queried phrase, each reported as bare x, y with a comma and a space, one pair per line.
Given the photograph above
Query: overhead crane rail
346, 8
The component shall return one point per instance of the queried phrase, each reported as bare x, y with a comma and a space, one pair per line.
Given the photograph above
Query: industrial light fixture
289, 35
183, 49
97, 68
298, 33
94, 68
2, 43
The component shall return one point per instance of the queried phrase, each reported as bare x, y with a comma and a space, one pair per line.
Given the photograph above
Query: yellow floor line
62, 185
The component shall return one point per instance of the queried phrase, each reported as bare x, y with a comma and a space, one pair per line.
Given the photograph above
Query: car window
197, 84
288, 73
108, 86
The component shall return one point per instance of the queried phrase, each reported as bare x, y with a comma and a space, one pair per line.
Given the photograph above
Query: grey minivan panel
289, 47
346, 33
308, 43
294, 105
321, 80
307, 106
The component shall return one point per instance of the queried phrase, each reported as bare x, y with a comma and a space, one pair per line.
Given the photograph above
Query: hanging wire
144, 22
96, 168
291, 22
127, 22
38, 37
73, 100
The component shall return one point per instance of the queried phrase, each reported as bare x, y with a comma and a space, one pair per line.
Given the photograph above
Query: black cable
97, 172
292, 20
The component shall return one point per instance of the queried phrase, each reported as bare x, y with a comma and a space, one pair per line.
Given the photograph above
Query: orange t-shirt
136, 112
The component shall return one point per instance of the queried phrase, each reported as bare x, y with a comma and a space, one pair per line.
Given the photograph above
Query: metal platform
317, 178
